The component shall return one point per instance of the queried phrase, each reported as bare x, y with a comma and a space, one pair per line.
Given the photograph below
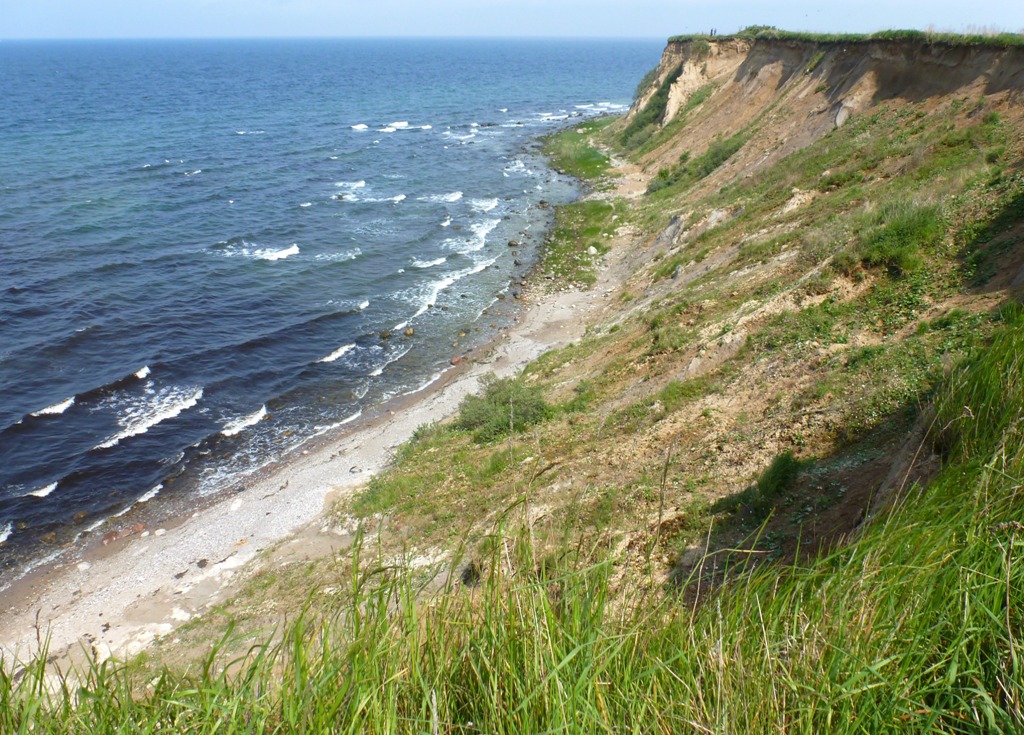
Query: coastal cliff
763, 472
798, 90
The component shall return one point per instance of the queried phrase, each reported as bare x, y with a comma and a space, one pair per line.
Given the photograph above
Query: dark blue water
202, 243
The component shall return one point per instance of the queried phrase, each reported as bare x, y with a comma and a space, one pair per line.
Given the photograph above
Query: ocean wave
42, 492
483, 205
388, 129
518, 167
427, 295
143, 372
393, 200
447, 222
360, 126
426, 127
475, 243
249, 132
399, 125
241, 424
455, 136
339, 257
56, 409
417, 263
6, 531
338, 353
194, 173
394, 357
252, 251
150, 494
449, 198
350, 184
306, 204
141, 415
293, 249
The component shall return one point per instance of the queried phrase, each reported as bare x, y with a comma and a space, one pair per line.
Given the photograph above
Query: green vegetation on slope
736, 424
914, 627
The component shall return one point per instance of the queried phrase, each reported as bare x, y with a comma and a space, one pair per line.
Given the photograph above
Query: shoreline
119, 599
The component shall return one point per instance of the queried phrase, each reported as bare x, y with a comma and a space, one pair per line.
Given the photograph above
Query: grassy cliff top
758, 33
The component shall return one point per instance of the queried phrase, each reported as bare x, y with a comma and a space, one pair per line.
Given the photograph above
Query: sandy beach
117, 601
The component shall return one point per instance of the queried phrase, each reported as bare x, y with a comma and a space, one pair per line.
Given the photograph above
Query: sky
25, 19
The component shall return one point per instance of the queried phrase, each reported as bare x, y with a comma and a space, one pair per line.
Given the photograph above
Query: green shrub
695, 169
652, 112
897, 243
506, 405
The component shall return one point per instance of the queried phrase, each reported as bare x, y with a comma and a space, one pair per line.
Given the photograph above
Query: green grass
679, 121
570, 150
506, 405
913, 627
642, 126
690, 170
755, 33
566, 258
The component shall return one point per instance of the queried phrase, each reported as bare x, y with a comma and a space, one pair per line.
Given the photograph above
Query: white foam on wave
241, 424
417, 263
360, 126
143, 372
449, 198
306, 204
388, 129
142, 414
426, 127
363, 305
338, 353
479, 230
394, 358
447, 222
502, 109
194, 173
43, 491
56, 409
399, 125
455, 136
483, 205
293, 249
339, 257
150, 494
6, 531
429, 293
426, 384
518, 167
350, 185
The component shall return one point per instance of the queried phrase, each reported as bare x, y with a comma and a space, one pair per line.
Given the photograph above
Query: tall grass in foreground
916, 626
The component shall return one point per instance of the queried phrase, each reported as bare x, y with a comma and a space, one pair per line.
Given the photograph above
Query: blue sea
212, 251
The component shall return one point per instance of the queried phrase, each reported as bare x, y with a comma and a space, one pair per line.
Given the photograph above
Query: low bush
505, 405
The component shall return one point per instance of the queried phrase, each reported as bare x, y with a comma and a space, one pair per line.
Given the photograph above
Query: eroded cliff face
793, 92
